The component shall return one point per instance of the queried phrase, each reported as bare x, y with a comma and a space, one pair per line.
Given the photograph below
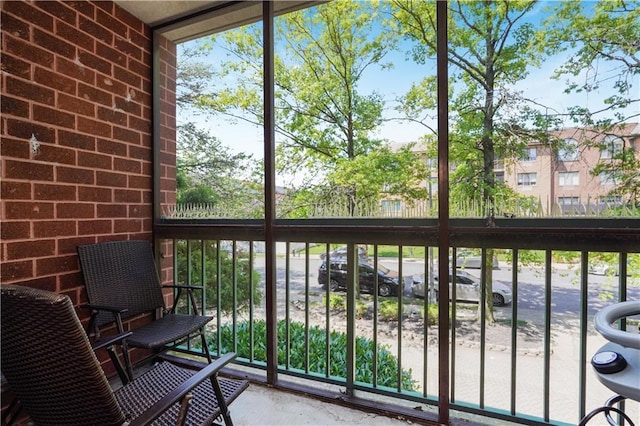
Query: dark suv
388, 282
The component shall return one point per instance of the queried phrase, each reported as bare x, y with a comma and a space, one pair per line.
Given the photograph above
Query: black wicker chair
122, 281
50, 366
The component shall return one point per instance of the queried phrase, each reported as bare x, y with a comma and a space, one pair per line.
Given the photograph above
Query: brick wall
76, 136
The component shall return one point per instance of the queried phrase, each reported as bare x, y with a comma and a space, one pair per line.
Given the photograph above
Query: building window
611, 146
568, 201
569, 179
568, 151
527, 179
608, 178
615, 200
529, 154
391, 206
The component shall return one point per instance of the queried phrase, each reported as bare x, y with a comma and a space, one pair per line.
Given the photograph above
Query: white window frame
611, 146
527, 179
569, 150
568, 178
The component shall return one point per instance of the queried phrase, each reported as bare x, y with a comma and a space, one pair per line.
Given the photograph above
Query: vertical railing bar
622, 297
425, 325
327, 331
514, 329
400, 309
251, 302
483, 321
584, 303
306, 308
547, 333
352, 284
234, 293
218, 285
375, 317
287, 303
441, 286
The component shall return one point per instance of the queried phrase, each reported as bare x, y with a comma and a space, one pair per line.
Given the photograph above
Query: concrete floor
263, 406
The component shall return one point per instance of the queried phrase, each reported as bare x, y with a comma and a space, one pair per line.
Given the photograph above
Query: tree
603, 40
324, 119
489, 50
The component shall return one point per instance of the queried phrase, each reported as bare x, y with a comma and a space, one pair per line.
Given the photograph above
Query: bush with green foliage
190, 267
295, 349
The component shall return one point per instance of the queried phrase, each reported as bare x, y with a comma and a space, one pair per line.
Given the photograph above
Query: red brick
139, 124
59, 10
129, 225
54, 44
144, 211
12, 190
26, 129
140, 182
129, 19
29, 13
13, 106
95, 194
56, 154
112, 116
28, 210
74, 175
74, 210
15, 230
70, 245
15, 66
109, 146
111, 86
77, 37
130, 107
29, 90
84, 7
55, 81
53, 116
94, 161
93, 94
13, 271
75, 70
54, 192
54, 228
23, 170
56, 265
139, 39
27, 51
30, 249
75, 105
93, 127
75, 140
96, 63
127, 76
95, 227
104, 5
107, 20
111, 179
127, 196
112, 210
139, 68
15, 27
95, 30
126, 165
126, 135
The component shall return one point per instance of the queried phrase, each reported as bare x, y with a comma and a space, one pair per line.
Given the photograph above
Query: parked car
467, 289
340, 253
467, 259
388, 281
603, 268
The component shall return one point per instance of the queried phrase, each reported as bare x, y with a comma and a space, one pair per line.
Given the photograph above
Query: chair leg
224, 409
205, 346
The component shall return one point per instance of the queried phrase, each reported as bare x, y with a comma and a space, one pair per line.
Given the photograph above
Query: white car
467, 289
601, 268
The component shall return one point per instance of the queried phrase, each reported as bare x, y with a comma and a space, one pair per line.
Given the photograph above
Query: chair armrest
110, 340
157, 409
182, 286
113, 309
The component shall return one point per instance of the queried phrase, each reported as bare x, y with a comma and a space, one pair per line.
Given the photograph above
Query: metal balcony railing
376, 337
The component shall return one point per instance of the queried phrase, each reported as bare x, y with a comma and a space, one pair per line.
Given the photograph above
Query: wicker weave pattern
122, 274
48, 361
49, 364
137, 396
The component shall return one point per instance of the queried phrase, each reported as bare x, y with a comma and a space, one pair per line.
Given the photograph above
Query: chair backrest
48, 362
121, 274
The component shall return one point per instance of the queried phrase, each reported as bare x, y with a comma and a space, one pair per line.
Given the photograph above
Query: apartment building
560, 174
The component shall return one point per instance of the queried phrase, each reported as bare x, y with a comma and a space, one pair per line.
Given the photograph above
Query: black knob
608, 362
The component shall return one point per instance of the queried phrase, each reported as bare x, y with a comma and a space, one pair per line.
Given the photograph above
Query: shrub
387, 374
